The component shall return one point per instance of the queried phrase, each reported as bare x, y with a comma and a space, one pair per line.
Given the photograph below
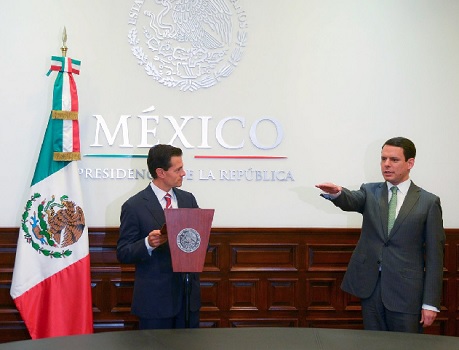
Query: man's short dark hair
409, 150
159, 156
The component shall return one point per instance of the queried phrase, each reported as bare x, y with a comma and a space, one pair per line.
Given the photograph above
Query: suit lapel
411, 199
180, 199
153, 206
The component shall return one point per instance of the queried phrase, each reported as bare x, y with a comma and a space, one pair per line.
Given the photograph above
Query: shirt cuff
149, 248
330, 196
429, 307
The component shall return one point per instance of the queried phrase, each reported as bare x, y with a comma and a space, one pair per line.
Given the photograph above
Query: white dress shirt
159, 193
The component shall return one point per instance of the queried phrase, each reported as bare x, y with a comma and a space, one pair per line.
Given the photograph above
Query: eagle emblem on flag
50, 225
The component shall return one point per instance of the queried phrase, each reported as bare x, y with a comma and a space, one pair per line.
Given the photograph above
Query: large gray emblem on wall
188, 44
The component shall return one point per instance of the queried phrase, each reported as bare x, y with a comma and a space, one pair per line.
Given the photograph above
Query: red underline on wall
241, 157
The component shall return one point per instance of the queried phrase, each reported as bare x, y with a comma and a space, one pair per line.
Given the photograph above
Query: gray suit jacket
158, 291
410, 258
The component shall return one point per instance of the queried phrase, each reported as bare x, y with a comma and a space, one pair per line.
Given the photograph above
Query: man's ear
160, 172
410, 163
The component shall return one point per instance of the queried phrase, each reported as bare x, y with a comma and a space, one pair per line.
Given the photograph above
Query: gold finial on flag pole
64, 41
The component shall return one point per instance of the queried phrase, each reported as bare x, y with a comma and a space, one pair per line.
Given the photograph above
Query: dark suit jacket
158, 291
410, 258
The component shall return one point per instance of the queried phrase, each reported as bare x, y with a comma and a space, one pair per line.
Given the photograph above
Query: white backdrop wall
340, 77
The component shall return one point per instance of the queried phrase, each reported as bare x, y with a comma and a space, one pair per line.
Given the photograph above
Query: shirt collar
159, 192
402, 187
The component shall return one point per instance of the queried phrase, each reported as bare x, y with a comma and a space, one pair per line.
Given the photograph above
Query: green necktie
392, 208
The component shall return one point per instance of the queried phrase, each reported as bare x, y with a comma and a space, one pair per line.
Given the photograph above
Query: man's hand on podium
155, 238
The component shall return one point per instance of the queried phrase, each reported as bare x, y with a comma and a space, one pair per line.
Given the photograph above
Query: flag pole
64, 47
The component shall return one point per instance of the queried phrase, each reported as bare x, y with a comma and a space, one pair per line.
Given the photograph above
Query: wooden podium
188, 231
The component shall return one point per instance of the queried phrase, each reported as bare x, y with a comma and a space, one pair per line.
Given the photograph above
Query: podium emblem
188, 240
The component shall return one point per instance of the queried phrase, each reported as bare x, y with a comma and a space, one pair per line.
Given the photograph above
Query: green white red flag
51, 283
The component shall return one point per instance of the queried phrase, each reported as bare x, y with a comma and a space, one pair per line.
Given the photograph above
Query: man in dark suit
396, 272
159, 292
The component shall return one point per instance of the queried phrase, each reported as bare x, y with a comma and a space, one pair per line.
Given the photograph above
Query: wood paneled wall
253, 277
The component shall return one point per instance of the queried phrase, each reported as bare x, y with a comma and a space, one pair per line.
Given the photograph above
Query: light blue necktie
392, 209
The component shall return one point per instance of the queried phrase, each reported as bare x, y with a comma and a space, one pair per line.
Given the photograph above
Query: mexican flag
51, 284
